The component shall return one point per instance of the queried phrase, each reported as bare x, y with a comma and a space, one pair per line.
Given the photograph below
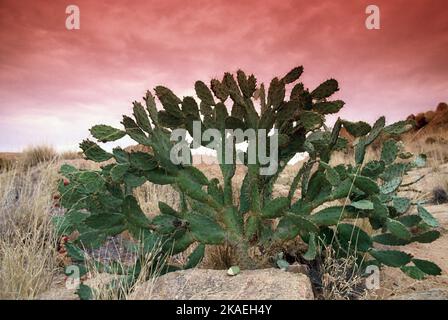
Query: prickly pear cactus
101, 203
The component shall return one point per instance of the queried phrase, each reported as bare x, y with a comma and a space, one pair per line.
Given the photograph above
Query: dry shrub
28, 257
33, 156
107, 286
219, 257
341, 278
70, 155
6, 164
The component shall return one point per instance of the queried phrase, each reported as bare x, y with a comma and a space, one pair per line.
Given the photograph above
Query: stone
431, 294
207, 284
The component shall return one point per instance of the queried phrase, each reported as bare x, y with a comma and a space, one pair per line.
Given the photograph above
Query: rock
431, 294
207, 284
420, 120
442, 107
298, 268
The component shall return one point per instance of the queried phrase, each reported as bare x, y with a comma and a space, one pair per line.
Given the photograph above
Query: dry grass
33, 156
70, 155
106, 286
219, 257
341, 277
28, 258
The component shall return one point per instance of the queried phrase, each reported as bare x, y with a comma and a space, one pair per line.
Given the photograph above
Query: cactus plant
101, 203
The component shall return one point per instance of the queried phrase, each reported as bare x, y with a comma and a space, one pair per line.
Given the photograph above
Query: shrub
101, 203
33, 156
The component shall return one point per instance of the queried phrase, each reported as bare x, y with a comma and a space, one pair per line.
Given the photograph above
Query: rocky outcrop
205, 284
431, 119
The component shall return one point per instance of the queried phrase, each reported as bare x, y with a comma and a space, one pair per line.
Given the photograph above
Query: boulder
207, 284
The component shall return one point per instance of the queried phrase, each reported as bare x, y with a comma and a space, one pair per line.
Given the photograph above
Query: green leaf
398, 229
276, 93
151, 106
391, 185
350, 236
389, 151
420, 161
391, 258
282, 264
105, 221
310, 254
293, 75
410, 220
204, 93
427, 217
376, 130
143, 161
195, 257
134, 131
166, 209
329, 107
427, 267
290, 225
205, 229
401, 204
311, 120
331, 174
328, 216
133, 181
93, 152
219, 89
104, 133
365, 184
389, 239
233, 271
373, 169
141, 117
325, 89
357, 129
121, 156
190, 107
84, 292
413, 272
91, 181
75, 253
118, 171
362, 205
134, 213
166, 224
398, 128
275, 208
160, 176
169, 100
427, 237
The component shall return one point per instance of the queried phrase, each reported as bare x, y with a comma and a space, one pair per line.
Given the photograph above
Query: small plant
101, 203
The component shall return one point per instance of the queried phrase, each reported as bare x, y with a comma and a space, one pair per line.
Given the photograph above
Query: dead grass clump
105, 286
28, 257
219, 257
341, 278
33, 156
70, 155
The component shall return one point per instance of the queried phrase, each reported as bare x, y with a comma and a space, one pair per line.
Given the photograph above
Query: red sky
55, 83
